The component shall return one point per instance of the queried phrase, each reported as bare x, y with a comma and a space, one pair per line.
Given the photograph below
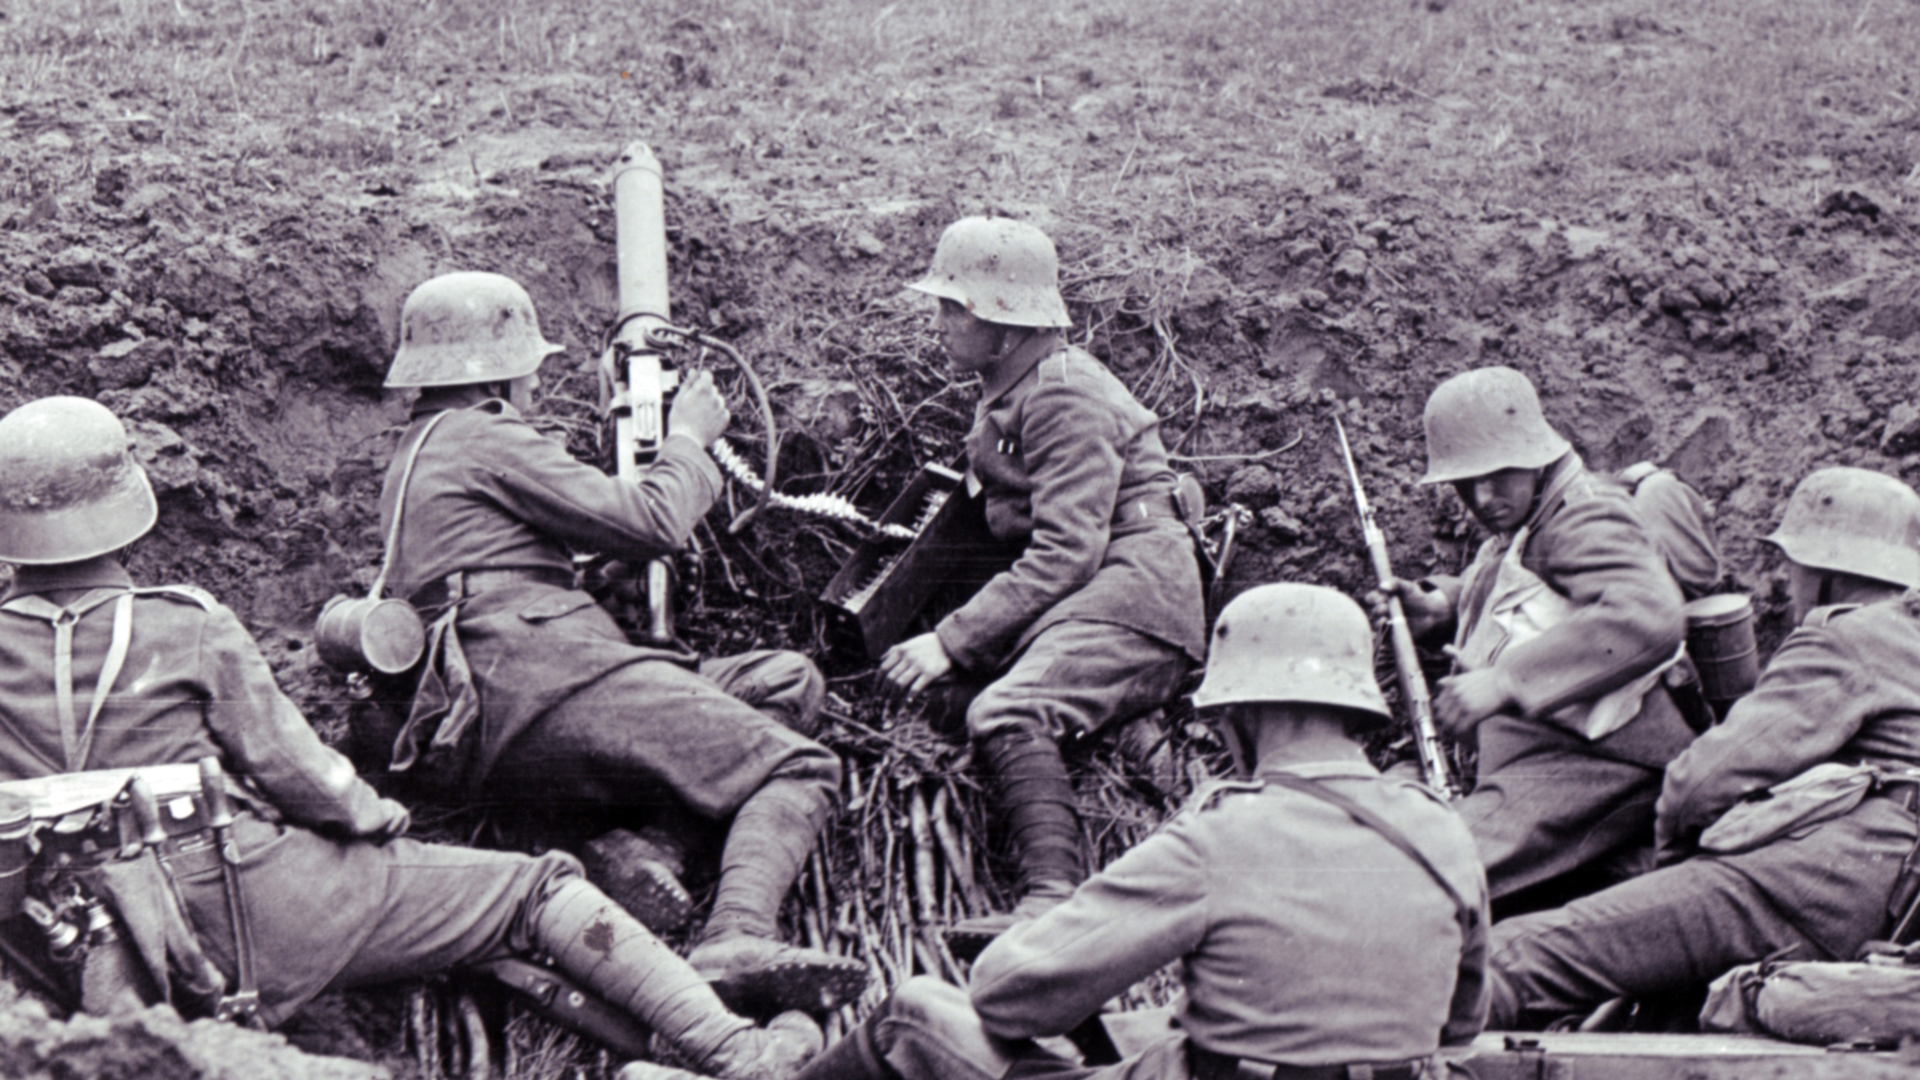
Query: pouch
1819, 794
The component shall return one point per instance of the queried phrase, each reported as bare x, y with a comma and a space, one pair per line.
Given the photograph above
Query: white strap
76, 744
400, 506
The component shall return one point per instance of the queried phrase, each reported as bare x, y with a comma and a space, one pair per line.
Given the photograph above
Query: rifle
1406, 659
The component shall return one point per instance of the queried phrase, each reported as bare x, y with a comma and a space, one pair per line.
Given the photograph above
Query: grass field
1693, 224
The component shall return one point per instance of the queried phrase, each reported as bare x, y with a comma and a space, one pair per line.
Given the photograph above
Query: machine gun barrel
637, 380
1406, 659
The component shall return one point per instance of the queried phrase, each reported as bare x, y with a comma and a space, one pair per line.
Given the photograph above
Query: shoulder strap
400, 505
1466, 913
76, 743
192, 594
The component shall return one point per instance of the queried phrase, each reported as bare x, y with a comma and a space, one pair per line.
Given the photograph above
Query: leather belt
1207, 1065
102, 838
1140, 514
465, 583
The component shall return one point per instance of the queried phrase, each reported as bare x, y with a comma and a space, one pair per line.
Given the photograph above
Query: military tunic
1303, 938
328, 909
1843, 687
554, 679
1101, 614
1548, 802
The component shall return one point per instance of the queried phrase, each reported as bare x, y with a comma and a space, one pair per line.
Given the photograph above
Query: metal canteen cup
358, 634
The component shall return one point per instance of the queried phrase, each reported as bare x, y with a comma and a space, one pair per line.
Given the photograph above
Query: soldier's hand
916, 662
398, 818
698, 410
1424, 608
1470, 697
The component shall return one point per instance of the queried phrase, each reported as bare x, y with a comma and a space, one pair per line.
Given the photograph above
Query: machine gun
639, 373
1406, 659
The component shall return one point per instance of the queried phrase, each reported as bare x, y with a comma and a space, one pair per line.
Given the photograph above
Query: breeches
1823, 894
1076, 677
1548, 810
331, 913
654, 733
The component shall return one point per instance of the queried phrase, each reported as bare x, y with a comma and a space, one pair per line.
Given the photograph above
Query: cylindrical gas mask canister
367, 634
1720, 641
16, 821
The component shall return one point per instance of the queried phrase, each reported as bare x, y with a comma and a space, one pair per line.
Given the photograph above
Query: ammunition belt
464, 583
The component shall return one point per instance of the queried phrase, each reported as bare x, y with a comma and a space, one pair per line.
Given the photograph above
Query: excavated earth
228, 277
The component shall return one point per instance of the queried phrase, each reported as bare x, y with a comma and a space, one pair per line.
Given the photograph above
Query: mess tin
368, 634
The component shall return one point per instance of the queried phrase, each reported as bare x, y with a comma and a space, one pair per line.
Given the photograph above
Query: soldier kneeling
1325, 917
306, 875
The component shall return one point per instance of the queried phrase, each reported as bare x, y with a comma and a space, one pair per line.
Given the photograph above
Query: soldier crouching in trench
531, 691
1101, 616
1329, 922
1763, 857
326, 893
1563, 627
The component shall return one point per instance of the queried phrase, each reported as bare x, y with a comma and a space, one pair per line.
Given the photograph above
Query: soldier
1329, 922
1838, 703
1101, 616
1680, 524
531, 690
1564, 625
333, 896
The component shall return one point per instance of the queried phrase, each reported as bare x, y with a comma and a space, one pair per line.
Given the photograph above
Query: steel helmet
468, 328
1485, 420
1853, 521
1292, 642
1001, 270
69, 486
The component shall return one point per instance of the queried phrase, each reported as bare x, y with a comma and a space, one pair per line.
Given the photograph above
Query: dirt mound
152, 1045
1264, 220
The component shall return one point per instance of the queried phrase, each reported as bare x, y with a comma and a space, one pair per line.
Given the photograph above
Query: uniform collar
1553, 487
498, 406
93, 574
1004, 375
1357, 768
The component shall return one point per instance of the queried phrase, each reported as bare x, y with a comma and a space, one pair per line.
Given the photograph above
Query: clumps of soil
234, 294
153, 1044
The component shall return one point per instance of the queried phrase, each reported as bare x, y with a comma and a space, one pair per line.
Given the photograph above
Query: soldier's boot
794, 1039
740, 951
854, 1057
1043, 819
593, 940
641, 872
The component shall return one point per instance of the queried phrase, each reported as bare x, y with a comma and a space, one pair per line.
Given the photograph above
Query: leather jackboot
641, 875
1043, 819
854, 1057
740, 951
